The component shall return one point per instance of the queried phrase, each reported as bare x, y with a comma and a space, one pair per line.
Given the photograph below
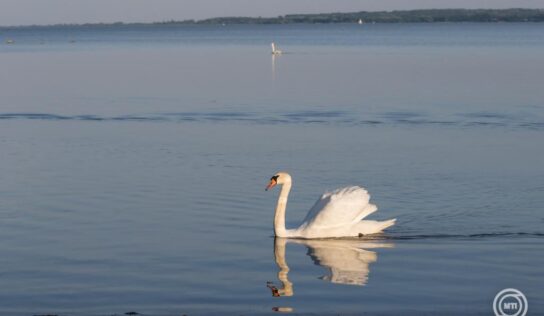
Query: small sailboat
275, 51
360, 22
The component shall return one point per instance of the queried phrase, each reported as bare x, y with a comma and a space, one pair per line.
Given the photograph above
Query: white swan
336, 214
274, 50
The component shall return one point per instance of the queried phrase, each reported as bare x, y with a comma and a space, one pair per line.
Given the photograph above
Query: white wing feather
341, 207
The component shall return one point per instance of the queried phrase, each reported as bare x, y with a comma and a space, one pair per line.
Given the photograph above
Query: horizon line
197, 21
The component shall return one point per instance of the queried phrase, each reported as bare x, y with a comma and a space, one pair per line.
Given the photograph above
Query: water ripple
481, 120
461, 236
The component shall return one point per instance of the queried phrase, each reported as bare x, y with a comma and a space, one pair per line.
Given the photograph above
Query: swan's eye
275, 178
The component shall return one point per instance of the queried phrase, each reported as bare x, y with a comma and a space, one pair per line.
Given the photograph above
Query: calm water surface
134, 161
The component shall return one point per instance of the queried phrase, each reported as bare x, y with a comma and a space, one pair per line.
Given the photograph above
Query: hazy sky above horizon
22, 12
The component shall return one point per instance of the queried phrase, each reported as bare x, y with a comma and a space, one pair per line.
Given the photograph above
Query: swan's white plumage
339, 214
340, 207
335, 214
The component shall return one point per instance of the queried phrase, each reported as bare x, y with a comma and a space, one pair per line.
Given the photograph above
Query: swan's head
278, 178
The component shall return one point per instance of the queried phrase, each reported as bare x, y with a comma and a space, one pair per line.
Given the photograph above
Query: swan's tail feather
371, 227
387, 223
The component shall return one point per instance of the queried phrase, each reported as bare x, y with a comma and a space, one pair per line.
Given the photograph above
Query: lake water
133, 163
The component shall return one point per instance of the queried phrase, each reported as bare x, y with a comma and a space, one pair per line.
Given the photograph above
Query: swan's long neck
279, 217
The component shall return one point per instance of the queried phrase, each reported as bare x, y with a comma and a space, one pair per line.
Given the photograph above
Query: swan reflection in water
346, 260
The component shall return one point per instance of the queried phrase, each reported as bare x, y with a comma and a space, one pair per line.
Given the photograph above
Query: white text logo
510, 302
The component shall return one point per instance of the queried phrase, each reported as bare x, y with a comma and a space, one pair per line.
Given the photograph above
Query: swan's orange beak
271, 185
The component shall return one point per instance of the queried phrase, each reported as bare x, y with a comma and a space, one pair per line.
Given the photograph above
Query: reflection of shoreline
346, 261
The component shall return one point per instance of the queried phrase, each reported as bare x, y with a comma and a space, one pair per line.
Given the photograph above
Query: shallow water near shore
133, 167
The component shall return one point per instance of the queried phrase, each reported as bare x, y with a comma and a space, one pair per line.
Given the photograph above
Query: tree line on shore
409, 16
405, 16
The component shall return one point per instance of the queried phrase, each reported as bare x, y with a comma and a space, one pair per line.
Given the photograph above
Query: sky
25, 12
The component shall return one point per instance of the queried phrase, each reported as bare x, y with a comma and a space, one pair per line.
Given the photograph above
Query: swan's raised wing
341, 207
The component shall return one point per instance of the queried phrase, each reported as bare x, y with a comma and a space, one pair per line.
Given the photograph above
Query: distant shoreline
404, 16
